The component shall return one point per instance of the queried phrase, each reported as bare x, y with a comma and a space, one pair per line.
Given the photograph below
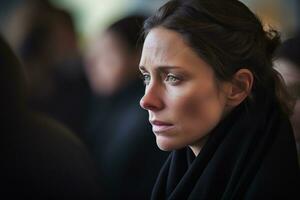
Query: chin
167, 144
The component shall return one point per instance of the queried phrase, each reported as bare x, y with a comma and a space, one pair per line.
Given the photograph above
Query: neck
196, 148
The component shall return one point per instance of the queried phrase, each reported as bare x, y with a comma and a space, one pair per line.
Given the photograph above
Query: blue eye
172, 79
146, 78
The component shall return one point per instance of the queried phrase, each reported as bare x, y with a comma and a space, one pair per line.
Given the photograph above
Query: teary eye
146, 78
172, 79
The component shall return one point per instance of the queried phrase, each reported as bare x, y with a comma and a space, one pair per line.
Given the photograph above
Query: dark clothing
40, 159
43, 160
251, 154
122, 142
67, 101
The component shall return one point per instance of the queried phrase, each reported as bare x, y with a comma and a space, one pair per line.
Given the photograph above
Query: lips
159, 126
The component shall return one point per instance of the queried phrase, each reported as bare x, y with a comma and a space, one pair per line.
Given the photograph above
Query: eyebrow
160, 68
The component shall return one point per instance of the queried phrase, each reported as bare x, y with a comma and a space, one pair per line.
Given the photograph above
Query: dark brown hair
228, 36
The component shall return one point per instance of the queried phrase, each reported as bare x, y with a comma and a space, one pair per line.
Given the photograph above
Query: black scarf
251, 154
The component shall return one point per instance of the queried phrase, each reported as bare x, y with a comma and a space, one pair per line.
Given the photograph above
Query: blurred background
90, 16
80, 59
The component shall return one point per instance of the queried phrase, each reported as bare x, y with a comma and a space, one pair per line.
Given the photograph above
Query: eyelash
174, 81
170, 78
146, 78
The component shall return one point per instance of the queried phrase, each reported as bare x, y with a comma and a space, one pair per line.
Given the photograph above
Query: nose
152, 99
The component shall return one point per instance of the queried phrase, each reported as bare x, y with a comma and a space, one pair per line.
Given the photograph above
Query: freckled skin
194, 105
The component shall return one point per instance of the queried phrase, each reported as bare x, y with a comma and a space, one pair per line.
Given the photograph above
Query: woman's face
182, 97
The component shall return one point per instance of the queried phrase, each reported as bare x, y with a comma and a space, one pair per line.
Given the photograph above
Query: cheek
199, 113
192, 107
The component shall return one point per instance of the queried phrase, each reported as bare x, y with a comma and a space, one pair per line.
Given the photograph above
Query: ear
240, 87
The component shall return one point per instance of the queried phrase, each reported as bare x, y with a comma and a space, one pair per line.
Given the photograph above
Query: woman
214, 99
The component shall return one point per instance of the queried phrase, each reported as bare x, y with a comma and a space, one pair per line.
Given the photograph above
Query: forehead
162, 45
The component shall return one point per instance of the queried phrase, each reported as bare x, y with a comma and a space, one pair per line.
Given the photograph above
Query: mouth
160, 127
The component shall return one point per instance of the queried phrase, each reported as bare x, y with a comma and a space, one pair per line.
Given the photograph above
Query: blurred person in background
44, 38
40, 158
117, 130
287, 62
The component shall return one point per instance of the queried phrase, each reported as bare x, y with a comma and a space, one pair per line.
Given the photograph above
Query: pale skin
182, 96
